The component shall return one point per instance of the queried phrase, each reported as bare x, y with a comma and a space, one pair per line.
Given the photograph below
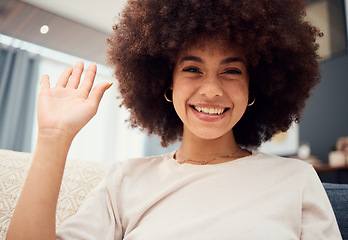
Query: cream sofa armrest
79, 179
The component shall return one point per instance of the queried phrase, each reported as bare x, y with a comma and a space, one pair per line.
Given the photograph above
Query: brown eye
232, 71
191, 69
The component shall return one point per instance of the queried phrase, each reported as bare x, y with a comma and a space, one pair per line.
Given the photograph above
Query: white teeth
212, 111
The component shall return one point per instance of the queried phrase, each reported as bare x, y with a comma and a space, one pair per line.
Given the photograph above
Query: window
329, 16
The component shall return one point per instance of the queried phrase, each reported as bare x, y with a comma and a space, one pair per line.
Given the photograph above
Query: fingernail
108, 86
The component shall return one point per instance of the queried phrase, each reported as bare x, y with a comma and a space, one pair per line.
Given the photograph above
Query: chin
209, 135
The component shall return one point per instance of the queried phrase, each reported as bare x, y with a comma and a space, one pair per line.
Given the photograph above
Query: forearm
34, 217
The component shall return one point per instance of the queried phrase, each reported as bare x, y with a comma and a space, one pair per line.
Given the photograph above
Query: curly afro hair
278, 43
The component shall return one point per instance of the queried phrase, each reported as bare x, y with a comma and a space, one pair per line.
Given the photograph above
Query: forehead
213, 47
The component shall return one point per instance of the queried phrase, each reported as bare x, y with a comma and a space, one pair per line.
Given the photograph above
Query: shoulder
147, 162
282, 167
273, 160
141, 165
294, 175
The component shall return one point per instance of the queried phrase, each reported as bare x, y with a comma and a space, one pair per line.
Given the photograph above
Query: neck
202, 150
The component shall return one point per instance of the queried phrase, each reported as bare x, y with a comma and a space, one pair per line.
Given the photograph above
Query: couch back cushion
338, 195
79, 179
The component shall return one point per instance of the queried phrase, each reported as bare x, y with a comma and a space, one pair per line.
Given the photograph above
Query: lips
209, 110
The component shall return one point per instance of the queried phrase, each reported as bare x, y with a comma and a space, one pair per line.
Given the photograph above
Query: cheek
179, 100
181, 90
177, 96
239, 92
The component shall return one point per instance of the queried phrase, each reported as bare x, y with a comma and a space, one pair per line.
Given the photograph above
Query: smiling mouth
211, 111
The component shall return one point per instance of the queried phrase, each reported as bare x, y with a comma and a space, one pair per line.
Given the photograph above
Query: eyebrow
225, 61
191, 58
232, 59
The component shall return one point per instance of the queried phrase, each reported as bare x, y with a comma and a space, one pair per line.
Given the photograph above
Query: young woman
221, 76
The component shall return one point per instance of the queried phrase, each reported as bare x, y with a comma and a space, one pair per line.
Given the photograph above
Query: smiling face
210, 88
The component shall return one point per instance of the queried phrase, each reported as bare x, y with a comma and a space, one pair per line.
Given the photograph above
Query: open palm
66, 108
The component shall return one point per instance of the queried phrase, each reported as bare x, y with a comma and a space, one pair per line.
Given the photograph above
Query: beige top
255, 197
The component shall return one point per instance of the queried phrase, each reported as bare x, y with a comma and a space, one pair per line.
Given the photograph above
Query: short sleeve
97, 218
318, 219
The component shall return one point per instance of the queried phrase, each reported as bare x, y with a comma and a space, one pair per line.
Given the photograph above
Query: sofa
81, 177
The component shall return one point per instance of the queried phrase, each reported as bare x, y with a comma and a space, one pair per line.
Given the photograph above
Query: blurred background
44, 37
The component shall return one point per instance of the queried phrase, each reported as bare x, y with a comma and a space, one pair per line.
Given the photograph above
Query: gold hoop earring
252, 103
165, 95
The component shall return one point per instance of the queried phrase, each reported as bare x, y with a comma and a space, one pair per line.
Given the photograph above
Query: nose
211, 87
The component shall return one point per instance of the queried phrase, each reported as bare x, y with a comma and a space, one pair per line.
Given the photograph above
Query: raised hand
66, 108
62, 111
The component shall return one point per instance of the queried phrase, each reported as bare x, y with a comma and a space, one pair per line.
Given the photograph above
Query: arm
318, 218
62, 112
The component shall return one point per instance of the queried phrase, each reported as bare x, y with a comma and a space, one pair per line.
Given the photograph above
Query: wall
325, 117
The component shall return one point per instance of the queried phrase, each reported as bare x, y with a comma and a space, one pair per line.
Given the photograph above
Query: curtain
18, 81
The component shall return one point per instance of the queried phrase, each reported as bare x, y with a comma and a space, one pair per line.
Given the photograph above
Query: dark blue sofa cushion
338, 195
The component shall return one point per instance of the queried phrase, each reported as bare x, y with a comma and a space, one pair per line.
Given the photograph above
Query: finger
64, 77
87, 82
108, 86
97, 92
44, 81
76, 75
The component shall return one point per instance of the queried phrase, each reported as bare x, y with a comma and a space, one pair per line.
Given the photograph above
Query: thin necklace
204, 162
